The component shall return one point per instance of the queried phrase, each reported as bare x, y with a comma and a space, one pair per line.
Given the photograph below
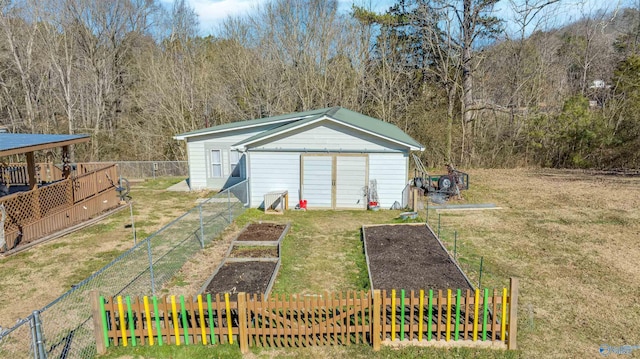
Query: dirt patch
254, 252
197, 270
249, 277
409, 257
262, 232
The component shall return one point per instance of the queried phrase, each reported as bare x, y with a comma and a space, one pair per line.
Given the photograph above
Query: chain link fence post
153, 282
34, 340
201, 228
455, 245
229, 206
480, 276
39, 336
427, 215
133, 224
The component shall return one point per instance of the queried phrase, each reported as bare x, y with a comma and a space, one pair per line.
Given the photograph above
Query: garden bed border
366, 254
262, 243
234, 242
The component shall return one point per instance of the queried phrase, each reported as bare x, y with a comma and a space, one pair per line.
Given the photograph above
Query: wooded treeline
474, 88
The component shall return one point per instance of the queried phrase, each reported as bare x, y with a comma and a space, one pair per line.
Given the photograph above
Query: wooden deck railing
16, 173
94, 182
303, 320
53, 207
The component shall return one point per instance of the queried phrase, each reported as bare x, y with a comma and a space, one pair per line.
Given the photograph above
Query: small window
216, 163
234, 158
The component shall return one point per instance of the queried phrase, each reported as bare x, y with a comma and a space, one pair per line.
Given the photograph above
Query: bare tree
18, 26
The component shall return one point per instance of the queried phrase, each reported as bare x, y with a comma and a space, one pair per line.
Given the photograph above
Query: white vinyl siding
275, 164
351, 179
328, 136
274, 171
197, 165
317, 182
390, 171
199, 150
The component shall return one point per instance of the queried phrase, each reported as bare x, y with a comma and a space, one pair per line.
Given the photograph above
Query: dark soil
248, 277
262, 232
254, 252
409, 257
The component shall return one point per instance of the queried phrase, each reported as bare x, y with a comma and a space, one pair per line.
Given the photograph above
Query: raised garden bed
251, 263
409, 257
243, 276
262, 232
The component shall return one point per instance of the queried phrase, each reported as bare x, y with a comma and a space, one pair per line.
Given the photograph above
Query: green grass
178, 281
54, 266
353, 351
175, 352
160, 183
100, 228
97, 261
323, 251
574, 251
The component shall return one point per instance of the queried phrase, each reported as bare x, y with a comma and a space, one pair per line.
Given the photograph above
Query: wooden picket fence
445, 315
377, 318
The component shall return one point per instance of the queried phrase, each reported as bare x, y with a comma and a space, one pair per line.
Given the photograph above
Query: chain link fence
448, 230
64, 328
153, 169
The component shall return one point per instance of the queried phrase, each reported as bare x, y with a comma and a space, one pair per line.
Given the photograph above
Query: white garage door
334, 181
351, 178
316, 181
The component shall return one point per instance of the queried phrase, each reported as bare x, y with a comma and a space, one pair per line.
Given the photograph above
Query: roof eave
184, 136
243, 145
45, 146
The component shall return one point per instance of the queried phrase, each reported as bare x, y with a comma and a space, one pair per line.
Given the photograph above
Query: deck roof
17, 143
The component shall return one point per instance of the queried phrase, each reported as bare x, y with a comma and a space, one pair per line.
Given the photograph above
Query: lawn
570, 237
46, 271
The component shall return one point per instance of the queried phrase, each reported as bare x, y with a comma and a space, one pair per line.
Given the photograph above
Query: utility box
276, 202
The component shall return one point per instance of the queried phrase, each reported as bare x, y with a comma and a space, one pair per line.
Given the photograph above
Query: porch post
66, 165
31, 171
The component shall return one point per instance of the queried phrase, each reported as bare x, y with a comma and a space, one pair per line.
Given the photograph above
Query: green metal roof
251, 123
300, 119
381, 128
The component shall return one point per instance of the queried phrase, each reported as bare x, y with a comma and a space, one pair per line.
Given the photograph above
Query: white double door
334, 181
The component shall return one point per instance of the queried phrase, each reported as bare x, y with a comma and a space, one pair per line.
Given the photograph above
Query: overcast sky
212, 12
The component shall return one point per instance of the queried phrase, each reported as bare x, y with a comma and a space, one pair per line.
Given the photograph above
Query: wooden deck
56, 205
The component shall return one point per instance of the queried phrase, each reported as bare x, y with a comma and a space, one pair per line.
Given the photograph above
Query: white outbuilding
329, 157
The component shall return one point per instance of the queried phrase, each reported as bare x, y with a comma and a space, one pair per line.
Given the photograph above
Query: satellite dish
123, 188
